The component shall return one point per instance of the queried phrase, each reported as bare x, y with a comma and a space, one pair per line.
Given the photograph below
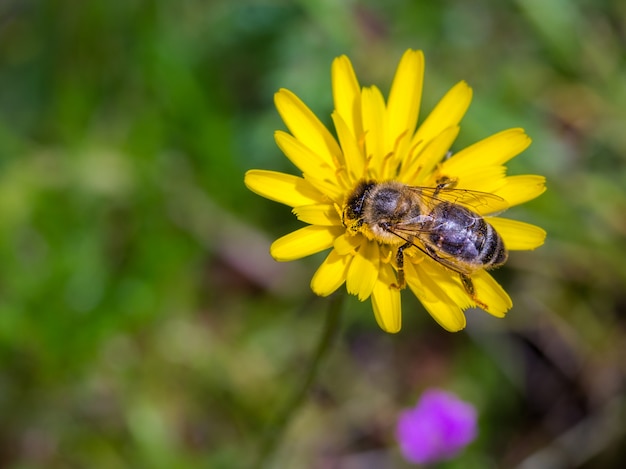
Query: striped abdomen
463, 240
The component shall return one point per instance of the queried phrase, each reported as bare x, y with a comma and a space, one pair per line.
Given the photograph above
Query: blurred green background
143, 323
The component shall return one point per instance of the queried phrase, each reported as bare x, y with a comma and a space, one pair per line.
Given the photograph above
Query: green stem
277, 428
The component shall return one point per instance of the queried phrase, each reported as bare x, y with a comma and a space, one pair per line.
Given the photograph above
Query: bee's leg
444, 182
466, 280
400, 266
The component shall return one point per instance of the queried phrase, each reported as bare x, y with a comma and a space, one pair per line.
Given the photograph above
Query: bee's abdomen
467, 237
492, 253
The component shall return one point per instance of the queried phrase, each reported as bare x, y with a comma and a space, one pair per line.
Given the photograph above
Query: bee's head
352, 216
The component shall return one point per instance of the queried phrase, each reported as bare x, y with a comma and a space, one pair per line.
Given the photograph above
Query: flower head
391, 202
437, 428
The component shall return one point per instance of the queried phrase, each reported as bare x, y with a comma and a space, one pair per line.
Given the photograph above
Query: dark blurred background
143, 323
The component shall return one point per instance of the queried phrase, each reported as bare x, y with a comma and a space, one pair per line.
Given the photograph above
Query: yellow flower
378, 142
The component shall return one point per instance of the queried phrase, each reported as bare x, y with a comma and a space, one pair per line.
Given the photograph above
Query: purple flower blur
437, 428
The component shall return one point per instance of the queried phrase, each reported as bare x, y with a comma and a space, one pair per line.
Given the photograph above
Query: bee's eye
354, 204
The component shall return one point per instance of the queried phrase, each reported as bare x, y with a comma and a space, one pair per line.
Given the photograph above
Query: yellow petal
426, 284
283, 188
306, 160
478, 178
373, 108
347, 244
331, 188
353, 157
404, 98
489, 292
386, 301
517, 235
494, 150
448, 113
307, 128
304, 242
447, 287
331, 274
318, 214
519, 189
419, 168
363, 271
347, 95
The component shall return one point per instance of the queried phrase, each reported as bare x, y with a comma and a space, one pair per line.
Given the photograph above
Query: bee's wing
483, 202
411, 234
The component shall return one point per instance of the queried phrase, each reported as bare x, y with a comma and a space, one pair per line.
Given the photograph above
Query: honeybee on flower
446, 231
395, 208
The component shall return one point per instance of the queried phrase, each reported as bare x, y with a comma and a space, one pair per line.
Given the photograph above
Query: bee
439, 221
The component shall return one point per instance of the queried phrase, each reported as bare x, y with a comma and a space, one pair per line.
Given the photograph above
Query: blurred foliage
142, 322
